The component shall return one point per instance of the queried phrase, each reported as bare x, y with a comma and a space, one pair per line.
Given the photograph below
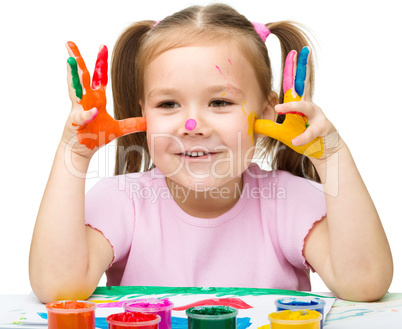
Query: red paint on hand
100, 74
293, 112
233, 302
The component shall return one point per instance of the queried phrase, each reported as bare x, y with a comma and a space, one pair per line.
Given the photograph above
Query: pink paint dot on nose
190, 124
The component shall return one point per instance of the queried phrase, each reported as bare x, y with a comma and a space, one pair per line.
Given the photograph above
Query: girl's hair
142, 42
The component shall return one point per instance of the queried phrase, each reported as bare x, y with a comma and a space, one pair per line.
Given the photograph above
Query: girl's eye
219, 103
168, 105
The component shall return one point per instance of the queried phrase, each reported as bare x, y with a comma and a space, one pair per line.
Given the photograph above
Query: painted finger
289, 71
131, 125
268, 128
71, 90
101, 66
74, 79
82, 69
307, 84
301, 71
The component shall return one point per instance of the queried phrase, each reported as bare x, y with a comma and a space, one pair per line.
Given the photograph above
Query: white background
358, 81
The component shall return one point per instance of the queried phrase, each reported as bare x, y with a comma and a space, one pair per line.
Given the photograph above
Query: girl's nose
192, 127
190, 124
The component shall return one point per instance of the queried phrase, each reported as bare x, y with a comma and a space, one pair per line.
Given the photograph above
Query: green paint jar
212, 317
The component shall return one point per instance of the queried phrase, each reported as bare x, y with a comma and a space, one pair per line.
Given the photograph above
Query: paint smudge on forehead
218, 69
231, 90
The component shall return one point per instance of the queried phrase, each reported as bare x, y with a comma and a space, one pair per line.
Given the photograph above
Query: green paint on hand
76, 78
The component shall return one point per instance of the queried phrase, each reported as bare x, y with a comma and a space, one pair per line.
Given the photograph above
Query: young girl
187, 207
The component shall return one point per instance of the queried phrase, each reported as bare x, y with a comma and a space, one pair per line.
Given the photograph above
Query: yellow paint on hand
288, 97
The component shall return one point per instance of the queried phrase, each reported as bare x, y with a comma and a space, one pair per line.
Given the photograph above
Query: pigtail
132, 153
291, 37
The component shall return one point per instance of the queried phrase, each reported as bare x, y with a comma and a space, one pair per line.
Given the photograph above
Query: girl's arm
348, 248
67, 259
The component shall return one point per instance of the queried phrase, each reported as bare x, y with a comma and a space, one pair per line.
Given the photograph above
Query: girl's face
216, 87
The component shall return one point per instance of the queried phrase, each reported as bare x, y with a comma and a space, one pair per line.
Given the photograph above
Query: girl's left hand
305, 128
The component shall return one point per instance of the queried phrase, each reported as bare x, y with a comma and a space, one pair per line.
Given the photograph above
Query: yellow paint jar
302, 319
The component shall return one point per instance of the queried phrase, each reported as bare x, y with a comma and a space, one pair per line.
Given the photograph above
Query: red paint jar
133, 320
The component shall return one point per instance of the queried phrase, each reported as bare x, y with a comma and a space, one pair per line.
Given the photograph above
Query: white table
385, 314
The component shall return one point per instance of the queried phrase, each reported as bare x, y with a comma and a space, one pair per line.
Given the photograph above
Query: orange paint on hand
103, 128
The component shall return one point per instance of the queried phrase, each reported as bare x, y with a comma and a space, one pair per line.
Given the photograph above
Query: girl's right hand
89, 126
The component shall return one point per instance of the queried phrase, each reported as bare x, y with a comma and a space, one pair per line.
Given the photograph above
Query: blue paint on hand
301, 71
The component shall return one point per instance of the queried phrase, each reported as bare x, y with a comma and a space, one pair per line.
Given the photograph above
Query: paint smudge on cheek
219, 69
251, 117
244, 112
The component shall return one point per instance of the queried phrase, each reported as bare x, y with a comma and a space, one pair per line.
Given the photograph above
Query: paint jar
301, 303
212, 317
133, 320
68, 314
161, 307
301, 319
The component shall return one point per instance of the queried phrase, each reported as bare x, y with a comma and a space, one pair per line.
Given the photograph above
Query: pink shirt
258, 243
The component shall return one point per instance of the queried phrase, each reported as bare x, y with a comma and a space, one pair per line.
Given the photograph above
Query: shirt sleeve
109, 209
302, 205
